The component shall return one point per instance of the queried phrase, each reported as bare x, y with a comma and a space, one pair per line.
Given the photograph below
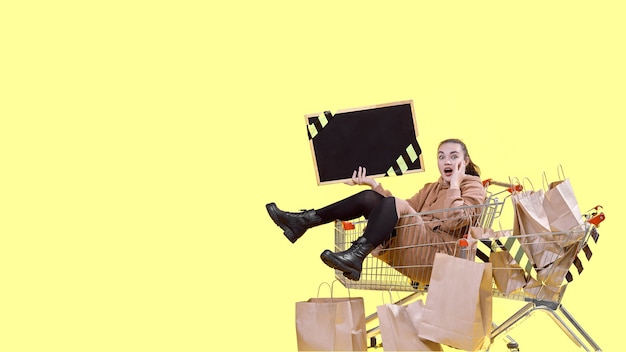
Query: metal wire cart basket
541, 285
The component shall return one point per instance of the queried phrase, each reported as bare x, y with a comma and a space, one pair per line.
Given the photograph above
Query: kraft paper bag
508, 276
537, 290
331, 324
555, 273
563, 212
399, 328
561, 206
532, 287
482, 233
532, 227
534, 218
485, 235
458, 310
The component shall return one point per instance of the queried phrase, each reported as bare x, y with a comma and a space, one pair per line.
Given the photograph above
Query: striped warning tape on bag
584, 255
400, 165
517, 252
513, 246
314, 128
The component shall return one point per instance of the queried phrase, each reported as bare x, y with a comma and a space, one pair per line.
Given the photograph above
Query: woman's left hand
458, 173
359, 177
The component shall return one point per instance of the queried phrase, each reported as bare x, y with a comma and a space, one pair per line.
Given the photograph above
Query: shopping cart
388, 270
567, 251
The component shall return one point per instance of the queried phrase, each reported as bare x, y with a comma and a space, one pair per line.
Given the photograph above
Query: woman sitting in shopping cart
390, 226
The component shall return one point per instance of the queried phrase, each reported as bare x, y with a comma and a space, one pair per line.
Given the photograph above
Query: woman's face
450, 160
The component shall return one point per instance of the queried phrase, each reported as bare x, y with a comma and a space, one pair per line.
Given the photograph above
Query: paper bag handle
560, 172
529, 181
331, 286
560, 175
320, 287
390, 296
515, 187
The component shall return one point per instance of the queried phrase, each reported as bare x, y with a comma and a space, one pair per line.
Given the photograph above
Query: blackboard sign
382, 138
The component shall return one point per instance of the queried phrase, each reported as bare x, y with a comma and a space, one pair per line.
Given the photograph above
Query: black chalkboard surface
382, 138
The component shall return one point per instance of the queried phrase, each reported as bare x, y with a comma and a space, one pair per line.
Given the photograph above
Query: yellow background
140, 141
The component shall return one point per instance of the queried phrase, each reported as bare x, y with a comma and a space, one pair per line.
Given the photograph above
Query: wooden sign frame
381, 138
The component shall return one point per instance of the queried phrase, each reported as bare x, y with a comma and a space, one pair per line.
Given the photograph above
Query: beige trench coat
420, 236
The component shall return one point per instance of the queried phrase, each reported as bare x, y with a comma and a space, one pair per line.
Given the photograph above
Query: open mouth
447, 171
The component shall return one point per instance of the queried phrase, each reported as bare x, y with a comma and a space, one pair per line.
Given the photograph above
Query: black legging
378, 209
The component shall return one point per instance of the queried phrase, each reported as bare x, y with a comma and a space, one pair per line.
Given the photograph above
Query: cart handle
596, 218
509, 187
347, 225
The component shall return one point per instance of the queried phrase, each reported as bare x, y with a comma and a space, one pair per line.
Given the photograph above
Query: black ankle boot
349, 261
294, 225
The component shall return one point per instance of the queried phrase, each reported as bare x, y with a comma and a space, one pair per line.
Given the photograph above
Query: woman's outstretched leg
294, 225
380, 225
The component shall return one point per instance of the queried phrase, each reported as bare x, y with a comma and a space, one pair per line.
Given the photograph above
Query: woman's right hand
359, 177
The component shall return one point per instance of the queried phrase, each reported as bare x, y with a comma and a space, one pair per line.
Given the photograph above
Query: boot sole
286, 230
348, 272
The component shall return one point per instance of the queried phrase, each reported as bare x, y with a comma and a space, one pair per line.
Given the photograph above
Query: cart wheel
373, 341
513, 346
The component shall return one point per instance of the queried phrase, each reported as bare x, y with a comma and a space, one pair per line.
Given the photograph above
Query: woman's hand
458, 173
359, 177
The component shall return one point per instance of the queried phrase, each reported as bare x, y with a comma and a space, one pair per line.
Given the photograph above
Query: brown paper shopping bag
554, 274
532, 227
531, 216
458, 307
507, 273
563, 213
537, 290
399, 328
561, 206
331, 324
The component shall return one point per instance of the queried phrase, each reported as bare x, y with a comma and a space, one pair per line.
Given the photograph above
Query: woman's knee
370, 196
388, 203
403, 207
368, 199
